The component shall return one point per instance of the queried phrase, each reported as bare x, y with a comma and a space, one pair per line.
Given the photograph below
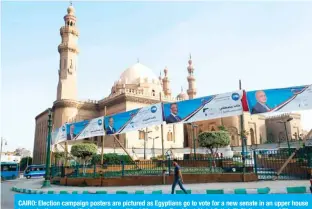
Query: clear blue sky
267, 45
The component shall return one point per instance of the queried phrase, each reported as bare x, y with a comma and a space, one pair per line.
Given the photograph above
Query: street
7, 196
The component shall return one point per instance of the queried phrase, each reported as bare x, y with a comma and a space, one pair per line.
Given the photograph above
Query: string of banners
188, 111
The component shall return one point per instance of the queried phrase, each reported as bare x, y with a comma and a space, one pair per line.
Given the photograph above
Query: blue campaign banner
114, 124
196, 201
59, 135
204, 108
280, 100
73, 130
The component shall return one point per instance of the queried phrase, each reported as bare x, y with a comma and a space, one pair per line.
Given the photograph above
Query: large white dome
136, 73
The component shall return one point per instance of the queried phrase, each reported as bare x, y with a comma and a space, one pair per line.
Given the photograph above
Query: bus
9, 170
34, 171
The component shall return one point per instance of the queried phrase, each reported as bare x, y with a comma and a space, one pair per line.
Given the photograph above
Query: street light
145, 139
284, 122
46, 182
5, 143
154, 144
194, 138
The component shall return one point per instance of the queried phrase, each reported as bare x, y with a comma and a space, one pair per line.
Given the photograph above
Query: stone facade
137, 87
277, 131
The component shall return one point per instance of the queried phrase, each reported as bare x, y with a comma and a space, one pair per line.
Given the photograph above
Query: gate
268, 163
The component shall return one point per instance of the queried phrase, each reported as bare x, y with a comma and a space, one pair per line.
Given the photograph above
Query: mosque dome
182, 95
138, 73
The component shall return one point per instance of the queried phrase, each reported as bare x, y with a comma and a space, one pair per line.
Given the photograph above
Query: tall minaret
166, 83
67, 85
191, 80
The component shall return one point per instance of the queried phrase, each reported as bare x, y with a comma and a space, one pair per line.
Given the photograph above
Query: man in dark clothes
177, 177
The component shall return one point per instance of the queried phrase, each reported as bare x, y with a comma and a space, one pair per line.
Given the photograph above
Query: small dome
70, 10
182, 95
137, 72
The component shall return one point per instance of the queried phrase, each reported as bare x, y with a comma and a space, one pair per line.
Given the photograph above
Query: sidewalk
277, 187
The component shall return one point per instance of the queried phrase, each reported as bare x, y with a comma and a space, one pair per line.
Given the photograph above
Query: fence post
169, 164
77, 170
94, 170
62, 171
122, 168
255, 162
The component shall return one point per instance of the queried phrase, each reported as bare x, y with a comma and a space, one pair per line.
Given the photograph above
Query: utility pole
194, 138
243, 137
284, 122
46, 182
5, 143
145, 140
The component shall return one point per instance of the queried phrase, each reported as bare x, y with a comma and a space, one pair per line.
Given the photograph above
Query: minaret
67, 85
191, 80
166, 83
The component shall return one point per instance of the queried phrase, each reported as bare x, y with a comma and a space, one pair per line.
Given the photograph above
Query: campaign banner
95, 127
58, 135
204, 108
134, 119
280, 100
73, 130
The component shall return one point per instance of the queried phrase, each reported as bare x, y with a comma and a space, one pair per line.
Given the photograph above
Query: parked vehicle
9, 170
34, 171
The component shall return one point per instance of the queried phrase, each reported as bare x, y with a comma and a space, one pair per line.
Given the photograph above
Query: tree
58, 155
213, 140
25, 161
84, 152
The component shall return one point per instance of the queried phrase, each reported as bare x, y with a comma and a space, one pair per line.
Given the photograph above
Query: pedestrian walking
177, 178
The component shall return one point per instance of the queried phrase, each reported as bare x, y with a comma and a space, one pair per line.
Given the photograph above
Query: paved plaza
275, 186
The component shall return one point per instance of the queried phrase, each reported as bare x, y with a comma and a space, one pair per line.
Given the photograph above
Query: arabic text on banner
134, 120
204, 108
95, 127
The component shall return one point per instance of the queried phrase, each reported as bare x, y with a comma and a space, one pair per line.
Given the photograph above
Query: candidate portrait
261, 105
173, 116
71, 135
110, 128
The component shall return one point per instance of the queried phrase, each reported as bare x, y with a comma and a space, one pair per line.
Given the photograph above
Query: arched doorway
252, 136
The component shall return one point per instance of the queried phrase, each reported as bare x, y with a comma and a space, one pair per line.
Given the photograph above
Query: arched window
141, 135
153, 92
252, 136
169, 136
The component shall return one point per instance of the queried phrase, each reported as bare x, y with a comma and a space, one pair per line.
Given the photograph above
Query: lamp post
153, 144
46, 182
284, 122
145, 139
5, 143
194, 138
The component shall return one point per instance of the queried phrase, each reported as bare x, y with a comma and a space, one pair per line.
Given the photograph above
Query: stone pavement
277, 187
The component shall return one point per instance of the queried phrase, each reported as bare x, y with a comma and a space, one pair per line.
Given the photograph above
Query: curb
266, 190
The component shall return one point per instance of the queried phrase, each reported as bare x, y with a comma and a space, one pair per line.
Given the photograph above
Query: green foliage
111, 158
83, 150
222, 128
59, 155
214, 139
23, 163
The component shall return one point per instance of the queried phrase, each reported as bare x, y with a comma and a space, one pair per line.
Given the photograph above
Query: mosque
137, 86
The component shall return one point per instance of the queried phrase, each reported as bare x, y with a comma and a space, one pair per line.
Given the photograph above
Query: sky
265, 44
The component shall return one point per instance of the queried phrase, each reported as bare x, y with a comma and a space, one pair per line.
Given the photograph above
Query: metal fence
266, 164
271, 164
156, 167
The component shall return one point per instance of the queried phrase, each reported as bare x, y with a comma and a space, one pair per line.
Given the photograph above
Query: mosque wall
84, 114
41, 131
